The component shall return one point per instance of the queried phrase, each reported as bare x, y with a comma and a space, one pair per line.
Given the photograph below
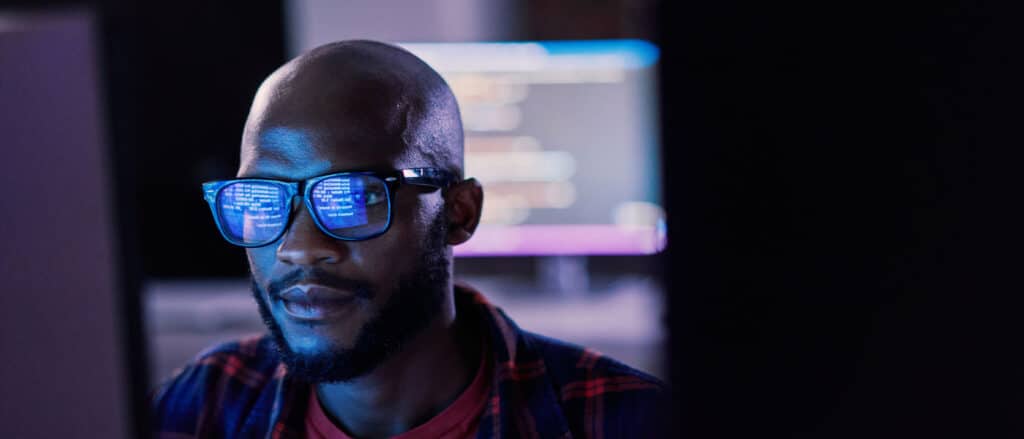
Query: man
348, 199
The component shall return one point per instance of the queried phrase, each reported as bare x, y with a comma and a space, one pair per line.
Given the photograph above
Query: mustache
360, 288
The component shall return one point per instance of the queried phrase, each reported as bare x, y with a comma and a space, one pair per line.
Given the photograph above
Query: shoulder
212, 393
601, 396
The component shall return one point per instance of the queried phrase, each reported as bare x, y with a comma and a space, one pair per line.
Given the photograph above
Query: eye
375, 196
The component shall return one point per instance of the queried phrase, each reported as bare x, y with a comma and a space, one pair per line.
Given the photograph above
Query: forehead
314, 120
300, 152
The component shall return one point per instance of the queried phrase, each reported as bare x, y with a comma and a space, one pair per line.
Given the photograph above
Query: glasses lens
252, 213
351, 206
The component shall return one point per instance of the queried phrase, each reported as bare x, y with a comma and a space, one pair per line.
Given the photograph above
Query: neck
411, 386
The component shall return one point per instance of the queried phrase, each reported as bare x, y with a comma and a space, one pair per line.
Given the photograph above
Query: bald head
371, 99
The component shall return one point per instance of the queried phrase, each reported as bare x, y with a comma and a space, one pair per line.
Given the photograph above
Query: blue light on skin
293, 154
307, 344
283, 148
281, 138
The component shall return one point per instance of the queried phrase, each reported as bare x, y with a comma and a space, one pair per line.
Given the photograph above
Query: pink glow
575, 239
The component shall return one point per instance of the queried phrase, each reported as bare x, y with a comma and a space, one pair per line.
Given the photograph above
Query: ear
463, 204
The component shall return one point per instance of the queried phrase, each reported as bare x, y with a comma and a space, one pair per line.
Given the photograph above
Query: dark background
843, 201
840, 180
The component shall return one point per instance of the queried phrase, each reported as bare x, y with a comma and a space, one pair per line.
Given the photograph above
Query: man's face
372, 295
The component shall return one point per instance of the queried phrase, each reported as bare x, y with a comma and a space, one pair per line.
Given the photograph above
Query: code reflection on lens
252, 212
340, 202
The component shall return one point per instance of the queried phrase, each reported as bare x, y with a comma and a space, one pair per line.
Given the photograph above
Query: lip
315, 302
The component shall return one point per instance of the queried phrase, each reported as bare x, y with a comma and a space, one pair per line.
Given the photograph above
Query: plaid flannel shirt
544, 388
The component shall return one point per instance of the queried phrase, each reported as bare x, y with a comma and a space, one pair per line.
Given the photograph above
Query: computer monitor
63, 318
563, 135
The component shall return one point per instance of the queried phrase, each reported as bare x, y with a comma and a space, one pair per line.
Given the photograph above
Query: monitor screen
563, 135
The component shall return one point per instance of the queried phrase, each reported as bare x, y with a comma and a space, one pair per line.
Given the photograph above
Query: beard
416, 300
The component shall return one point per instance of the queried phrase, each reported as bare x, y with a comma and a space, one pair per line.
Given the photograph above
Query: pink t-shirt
458, 421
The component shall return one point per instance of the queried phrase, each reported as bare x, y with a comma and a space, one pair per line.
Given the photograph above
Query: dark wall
586, 19
840, 218
198, 66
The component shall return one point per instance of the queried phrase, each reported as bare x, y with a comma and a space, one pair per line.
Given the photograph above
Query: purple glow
576, 239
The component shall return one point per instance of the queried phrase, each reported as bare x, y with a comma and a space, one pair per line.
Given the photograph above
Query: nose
305, 244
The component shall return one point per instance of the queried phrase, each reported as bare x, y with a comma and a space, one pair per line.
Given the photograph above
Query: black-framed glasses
351, 206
